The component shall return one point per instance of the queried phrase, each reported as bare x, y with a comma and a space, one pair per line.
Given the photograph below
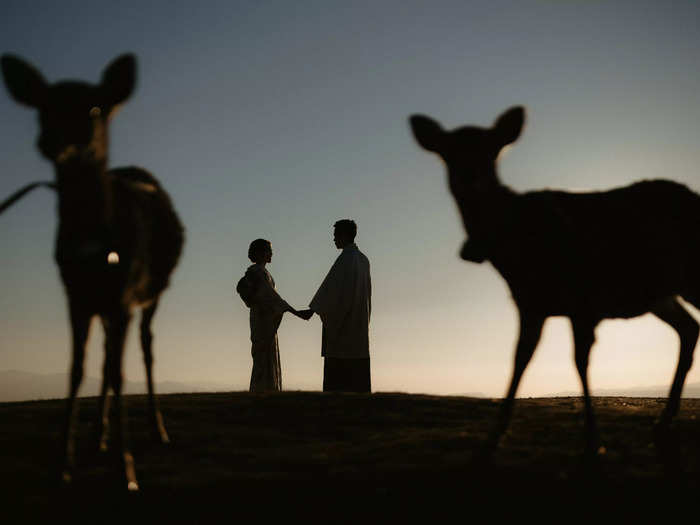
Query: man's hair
346, 228
257, 247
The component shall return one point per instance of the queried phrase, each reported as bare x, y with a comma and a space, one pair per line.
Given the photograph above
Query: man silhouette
344, 303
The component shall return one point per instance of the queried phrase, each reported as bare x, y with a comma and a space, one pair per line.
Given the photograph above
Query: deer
118, 240
589, 256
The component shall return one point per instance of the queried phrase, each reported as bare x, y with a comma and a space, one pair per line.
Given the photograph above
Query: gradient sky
274, 119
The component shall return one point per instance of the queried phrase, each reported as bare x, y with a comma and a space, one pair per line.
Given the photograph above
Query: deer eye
95, 112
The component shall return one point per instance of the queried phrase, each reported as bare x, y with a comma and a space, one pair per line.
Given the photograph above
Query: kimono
344, 303
266, 310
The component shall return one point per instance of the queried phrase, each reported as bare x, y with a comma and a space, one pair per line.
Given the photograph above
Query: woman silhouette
266, 310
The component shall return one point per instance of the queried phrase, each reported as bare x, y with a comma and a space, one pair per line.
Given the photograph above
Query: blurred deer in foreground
118, 239
587, 256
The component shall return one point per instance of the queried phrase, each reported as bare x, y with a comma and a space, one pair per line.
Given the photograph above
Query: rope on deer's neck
23, 191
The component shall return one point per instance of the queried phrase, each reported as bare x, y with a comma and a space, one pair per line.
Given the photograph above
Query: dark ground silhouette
381, 455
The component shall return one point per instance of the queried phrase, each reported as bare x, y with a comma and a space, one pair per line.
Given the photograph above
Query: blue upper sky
274, 119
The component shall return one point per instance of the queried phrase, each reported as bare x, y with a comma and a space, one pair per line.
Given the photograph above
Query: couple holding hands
343, 302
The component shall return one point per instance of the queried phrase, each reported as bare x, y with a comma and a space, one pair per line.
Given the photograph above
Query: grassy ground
233, 454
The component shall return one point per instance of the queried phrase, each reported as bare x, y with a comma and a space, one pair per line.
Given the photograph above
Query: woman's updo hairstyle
257, 248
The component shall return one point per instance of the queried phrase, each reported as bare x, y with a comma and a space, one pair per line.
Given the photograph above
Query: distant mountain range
16, 385
689, 390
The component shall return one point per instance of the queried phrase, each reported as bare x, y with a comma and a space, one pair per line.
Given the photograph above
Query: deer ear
118, 80
25, 84
428, 133
509, 125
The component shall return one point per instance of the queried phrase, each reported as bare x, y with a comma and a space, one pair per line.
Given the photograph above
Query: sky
274, 119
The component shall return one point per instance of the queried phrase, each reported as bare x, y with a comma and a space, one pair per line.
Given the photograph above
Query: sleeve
328, 298
266, 297
369, 294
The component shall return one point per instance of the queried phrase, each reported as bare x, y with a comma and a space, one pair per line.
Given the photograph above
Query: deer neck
485, 205
83, 186
85, 209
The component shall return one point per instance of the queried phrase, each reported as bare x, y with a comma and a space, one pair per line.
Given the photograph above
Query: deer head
470, 154
73, 115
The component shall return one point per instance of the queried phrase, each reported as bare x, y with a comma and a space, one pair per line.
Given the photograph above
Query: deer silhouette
118, 237
587, 256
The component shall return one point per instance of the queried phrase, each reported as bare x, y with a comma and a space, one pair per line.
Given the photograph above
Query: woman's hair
257, 247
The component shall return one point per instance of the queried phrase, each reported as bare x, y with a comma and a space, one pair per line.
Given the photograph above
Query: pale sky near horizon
275, 119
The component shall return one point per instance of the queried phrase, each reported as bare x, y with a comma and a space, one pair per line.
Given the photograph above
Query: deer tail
22, 192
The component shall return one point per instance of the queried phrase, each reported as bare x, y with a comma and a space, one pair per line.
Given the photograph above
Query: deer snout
47, 147
75, 153
56, 151
472, 251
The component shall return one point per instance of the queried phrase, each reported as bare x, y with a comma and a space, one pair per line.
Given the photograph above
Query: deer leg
584, 337
103, 402
116, 334
530, 331
672, 313
80, 324
146, 344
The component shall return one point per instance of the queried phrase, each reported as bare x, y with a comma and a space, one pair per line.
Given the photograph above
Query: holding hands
303, 314
306, 314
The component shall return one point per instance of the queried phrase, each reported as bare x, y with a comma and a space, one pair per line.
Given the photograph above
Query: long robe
266, 311
344, 303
